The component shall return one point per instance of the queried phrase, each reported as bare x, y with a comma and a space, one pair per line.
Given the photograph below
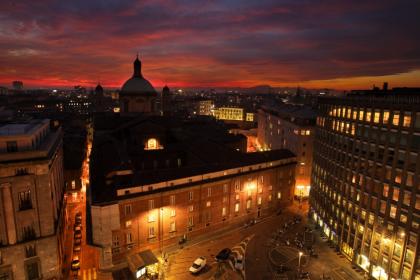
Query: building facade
32, 201
365, 192
180, 179
290, 127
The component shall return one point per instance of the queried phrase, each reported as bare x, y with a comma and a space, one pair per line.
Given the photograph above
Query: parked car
77, 234
75, 263
198, 265
223, 255
239, 262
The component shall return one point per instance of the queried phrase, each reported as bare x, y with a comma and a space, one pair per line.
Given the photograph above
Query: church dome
137, 84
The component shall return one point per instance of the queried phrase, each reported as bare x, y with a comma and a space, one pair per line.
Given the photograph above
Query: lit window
190, 221
278, 195
308, 132
151, 232
172, 227
361, 115
190, 208
396, 119
208, 192
407, 120
368, 116
248, 204
73, 184
152, 144
128, 223
190, 196
269, 197
376, 117
385, 117
223, 211
151, 217
259, 200
237, 197
173, 212
237, 207
208, 203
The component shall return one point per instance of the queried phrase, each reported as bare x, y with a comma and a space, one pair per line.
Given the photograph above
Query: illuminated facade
206, 107
290, 127
31, 201
178, 179
229, 113
365, 181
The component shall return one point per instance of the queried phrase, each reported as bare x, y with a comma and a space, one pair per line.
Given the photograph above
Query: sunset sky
334, 44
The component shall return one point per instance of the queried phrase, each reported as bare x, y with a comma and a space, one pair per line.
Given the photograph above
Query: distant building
229, 113
165, 101
32, 201
137, 94
365, 192
17, 85
99, 99
290, 127
205, 107
156, 179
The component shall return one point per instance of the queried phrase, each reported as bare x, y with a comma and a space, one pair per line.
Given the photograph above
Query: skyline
215, 44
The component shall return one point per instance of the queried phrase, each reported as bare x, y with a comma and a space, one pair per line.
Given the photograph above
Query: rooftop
22, 128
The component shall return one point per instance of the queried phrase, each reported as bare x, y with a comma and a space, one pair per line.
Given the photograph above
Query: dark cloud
207, 42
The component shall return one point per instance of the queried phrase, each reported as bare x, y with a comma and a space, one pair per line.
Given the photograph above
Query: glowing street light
300, 256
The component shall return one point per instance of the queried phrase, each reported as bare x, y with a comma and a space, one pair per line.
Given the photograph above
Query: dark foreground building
365, 180
156, 179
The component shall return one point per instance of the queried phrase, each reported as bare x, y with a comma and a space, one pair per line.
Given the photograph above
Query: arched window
152, 144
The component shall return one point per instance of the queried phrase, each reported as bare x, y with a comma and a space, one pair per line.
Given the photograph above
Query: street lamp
300, 255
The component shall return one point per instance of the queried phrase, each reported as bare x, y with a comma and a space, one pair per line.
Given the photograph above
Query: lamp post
300, 255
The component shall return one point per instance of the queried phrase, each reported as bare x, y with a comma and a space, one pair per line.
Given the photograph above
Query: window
270, 197
178, 161
127, 209
278, 195
407, 120
151, 204
248, 204
25, 201
208, 192
32, 270
368, 116
396, 119
129, 238
190, 196
237, 186
128, 223
385, 118
151, 217
190, 208
361, 115
259, 200
190, 221
386, 190
173, 212
225, 188
208, 203
151, 232
395, 194
270, 188
172, 227
376, 115
172, 200
237, 196
152, 144
30, 251
11, 146
73, 184
237, 207
223, 211
225, 199
115, 241
393, 211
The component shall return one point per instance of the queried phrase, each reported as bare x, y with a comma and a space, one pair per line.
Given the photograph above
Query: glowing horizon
326, 44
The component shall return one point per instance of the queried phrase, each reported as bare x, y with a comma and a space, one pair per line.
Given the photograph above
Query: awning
141, 260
